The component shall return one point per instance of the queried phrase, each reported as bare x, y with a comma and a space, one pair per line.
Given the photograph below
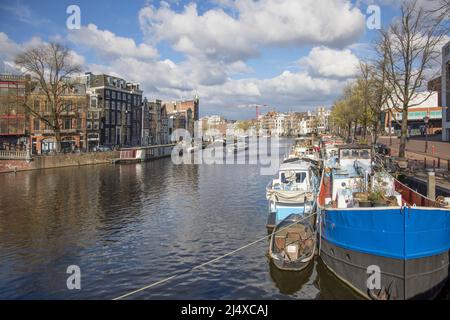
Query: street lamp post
426, 119
390, 128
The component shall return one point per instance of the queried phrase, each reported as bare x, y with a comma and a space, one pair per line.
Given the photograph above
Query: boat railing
412, 197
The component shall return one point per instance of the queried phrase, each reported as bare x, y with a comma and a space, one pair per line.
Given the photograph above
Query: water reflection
290, 282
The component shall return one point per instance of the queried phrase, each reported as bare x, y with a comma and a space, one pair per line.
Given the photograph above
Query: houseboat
237, 146
378, 236
302, 148
292, 191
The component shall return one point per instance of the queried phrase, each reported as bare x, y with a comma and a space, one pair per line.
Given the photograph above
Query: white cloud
325, 62
217, 44
108, 44
219, 93
9, 47
9, 50
77, 58
215, 34
169, 80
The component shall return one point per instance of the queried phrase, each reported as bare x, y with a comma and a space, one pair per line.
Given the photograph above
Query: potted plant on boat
362, 198
377, 199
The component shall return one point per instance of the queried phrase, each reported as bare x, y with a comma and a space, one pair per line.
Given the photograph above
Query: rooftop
297, 165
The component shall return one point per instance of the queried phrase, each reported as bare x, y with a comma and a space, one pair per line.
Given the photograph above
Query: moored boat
293, 190
238, 146
303, 147
293, 243
378, 236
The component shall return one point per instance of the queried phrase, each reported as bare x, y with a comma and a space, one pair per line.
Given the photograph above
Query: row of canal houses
98, 110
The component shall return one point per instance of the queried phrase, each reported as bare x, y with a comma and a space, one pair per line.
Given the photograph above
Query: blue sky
288, 54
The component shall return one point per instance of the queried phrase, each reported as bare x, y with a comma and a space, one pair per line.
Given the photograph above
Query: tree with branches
411, 47
50, 66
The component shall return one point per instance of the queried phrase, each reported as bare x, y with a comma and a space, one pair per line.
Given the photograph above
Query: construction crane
258, 107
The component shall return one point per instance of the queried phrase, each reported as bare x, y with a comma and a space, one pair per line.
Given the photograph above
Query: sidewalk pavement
416, 146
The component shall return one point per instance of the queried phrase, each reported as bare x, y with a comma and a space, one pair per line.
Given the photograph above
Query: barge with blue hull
394, 245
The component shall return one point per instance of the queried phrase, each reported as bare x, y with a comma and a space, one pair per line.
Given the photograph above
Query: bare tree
441, 12
50, 67
381, 91
364, 83
411, 47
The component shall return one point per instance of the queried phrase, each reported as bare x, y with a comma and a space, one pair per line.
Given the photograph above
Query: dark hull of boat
291, 265
421, 278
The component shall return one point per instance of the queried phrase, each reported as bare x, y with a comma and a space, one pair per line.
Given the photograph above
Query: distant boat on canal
238, 146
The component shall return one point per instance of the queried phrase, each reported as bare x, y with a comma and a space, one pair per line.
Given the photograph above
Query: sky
288, 55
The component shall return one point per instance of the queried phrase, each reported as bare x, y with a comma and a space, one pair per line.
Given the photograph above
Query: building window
36, 105
107, 94
68, 106
67, 123
93, 102
3, 89
37, 124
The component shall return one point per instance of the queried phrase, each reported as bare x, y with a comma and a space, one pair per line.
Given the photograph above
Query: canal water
127, 226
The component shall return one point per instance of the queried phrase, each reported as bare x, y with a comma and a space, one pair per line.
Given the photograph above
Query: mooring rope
210, 261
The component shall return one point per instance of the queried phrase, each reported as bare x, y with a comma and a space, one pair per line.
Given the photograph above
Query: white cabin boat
292, 191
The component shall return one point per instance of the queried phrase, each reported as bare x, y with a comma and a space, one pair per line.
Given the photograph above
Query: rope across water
208, 262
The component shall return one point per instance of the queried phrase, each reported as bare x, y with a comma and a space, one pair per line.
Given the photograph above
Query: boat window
355, 154
345, 154
283, 177
300, 177
365, 154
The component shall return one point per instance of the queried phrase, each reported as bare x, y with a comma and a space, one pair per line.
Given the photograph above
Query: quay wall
420, 185
58, 161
